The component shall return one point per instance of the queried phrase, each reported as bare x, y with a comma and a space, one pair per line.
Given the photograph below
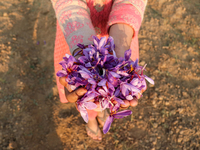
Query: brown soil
167, 117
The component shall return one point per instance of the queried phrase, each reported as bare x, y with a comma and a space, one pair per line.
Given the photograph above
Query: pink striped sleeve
128, 12
74, 20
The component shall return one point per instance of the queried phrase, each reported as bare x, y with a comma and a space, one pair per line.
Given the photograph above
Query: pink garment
81, 19
72, 33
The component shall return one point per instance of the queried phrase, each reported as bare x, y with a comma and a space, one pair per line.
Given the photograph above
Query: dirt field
167, 117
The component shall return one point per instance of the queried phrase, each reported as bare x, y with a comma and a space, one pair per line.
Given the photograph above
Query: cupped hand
72, 96
132, 102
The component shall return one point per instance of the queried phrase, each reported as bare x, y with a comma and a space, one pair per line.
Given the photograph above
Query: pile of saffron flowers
109, 80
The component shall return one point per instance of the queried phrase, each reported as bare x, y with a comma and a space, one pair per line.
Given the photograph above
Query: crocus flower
85, 103
114, 115
128, 90
68, 66
113, 78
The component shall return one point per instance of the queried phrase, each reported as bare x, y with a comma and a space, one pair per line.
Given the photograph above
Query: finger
62, 81
126, 105
133, 102
65, 84
75, 95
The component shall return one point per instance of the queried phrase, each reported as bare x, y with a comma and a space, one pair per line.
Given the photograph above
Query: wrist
120, 50
122, 35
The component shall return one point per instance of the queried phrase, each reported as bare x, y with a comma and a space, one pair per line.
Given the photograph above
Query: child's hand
122, 35
72, 96
132, 102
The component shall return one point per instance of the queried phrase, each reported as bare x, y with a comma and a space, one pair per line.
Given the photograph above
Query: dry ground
167, 117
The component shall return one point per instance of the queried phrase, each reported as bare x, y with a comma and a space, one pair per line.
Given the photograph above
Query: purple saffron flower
68, 66
109, 80
107, 86
84, 103
115, 115
128, 89
127, 54
113, 78
111, 46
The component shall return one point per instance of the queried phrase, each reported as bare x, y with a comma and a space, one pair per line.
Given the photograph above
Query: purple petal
102, 42
92, 81
117, 92
86, 52
122, 73
122, 114
107, 124
61, 73
90, 96
102, 82
104, 60
124, 89
135, 63
95, 41
104, 51
81, 45
90, 105
83, 59
84, 74
114, 74
84, 69
84, 115
129, 97
144, 84
116, 107
62, 62
105, 88
110, 86
149, 79
114, 54
131, 87
112, 80
102, 92
127, 54
88, 65
98, 61
119, 100
134, 81
67, 55
71, 61
105, 104
111, 40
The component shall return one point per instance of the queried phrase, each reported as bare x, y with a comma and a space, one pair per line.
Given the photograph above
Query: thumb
75, 95
72, 96
65, 84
